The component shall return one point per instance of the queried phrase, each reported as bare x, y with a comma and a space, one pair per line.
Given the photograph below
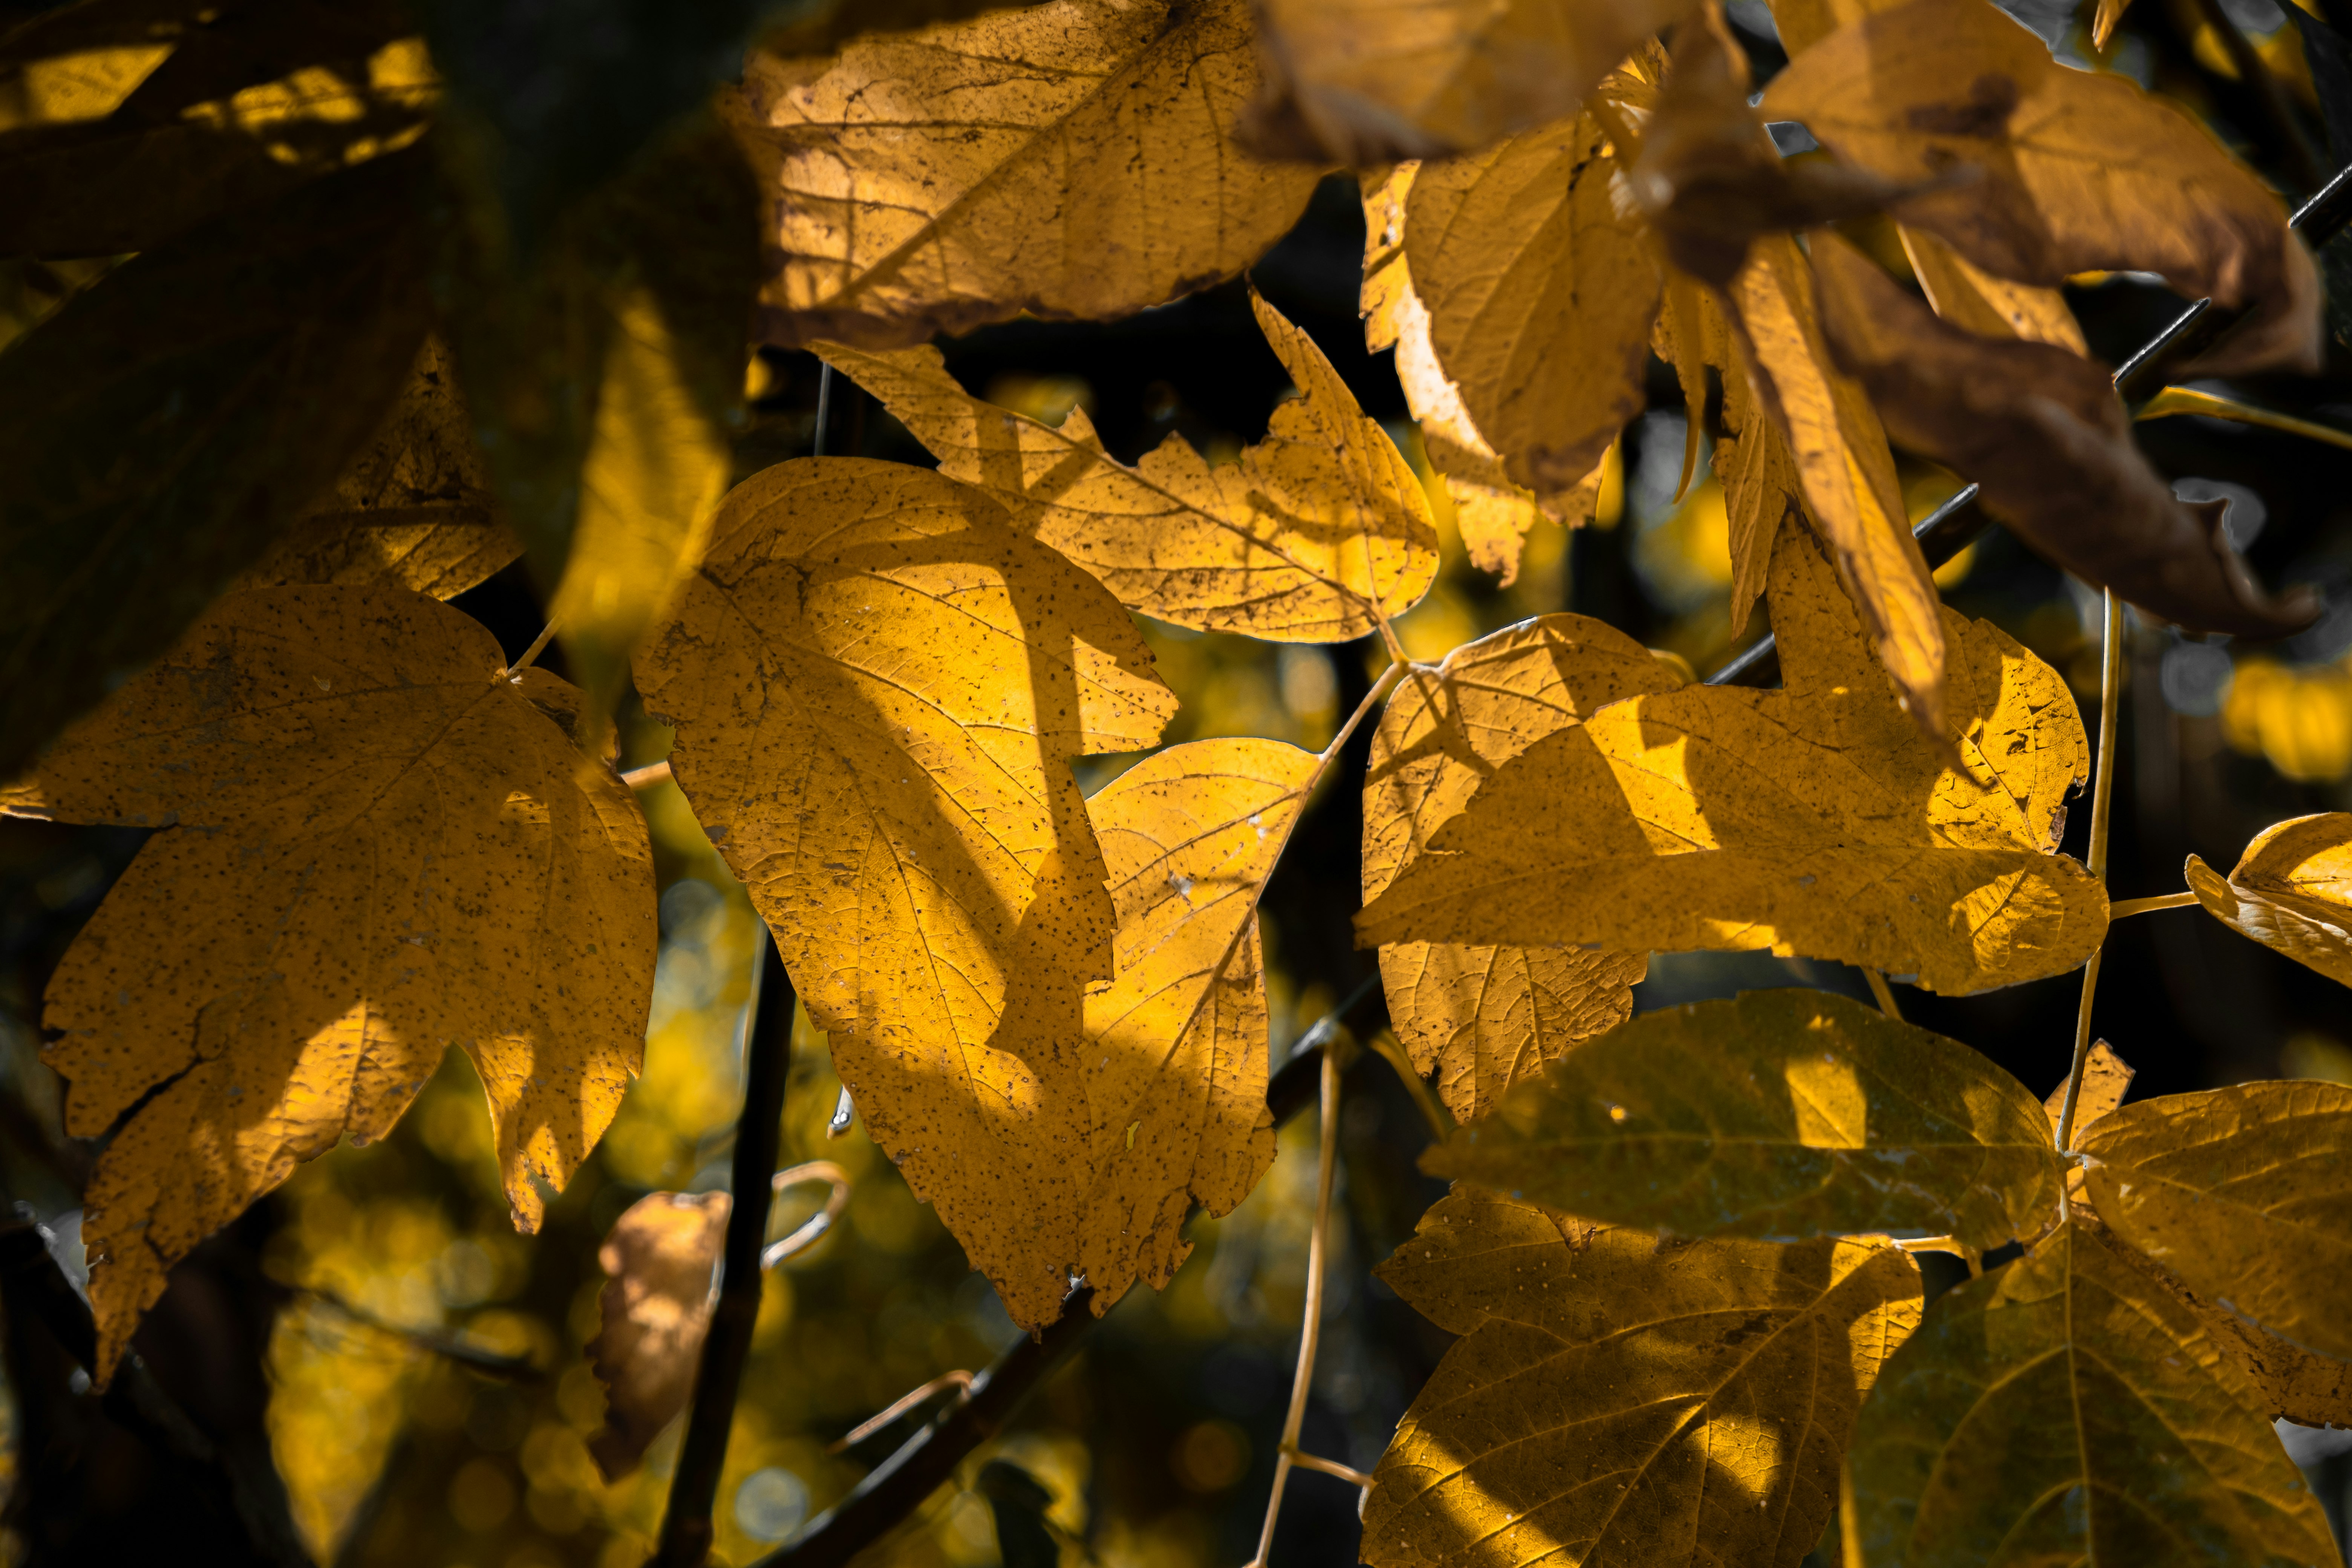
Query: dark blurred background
379, 1371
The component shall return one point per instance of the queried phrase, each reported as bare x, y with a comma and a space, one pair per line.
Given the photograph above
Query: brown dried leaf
660, 1260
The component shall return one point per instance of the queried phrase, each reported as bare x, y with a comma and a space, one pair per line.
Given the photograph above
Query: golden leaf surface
1845, 467
2246, 1193
2076, 171
2106, 1079
2065, 1408
1485, 1018
1294, 543
1363, 81
376, 851
1781, 1116
1617, 1398
1974, 300
1810, 820
1069, 160
660, 1262
2291, 890
1761, 489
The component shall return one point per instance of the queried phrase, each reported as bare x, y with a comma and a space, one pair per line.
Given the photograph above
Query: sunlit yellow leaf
1761, 489
2076, 171
1970, 298
376, 851
1814, 819
2292, 890
1618, 1398
1484, 1018
2215, 406
2065, 1408
1070, 159
2106, 1079
2246, 1193
660, 1262
1784, 1115
1294, 543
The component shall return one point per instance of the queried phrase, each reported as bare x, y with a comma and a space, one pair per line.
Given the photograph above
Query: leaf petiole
2103, 789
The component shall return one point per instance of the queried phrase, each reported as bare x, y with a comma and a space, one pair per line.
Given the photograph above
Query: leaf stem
1306, 1461
1380, 688
2102, 790
2148, 905
960, 1380
1882, 993
1311, 1330
1392, 1051
530, 654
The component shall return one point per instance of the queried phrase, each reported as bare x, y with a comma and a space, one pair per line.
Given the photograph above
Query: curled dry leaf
279, 970
2075, 171
2246, 1195
1485, 1018
1813, 819
1784, 1115
2041, 433
1616, 1397
1071, 159
1294, 542
2291, 890
660, 1260
876, 677
1365, 81
2066, 1408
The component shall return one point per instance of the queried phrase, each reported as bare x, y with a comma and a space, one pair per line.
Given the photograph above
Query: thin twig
1306, 1461
1392, 1051
1311, 1332
1884, 996
530, 654
2117, 911
817, 1224
824, 409
2103, 789
767, 1063
960, 1380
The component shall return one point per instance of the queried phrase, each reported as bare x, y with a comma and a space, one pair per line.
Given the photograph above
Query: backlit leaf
1761, 489
1293, 542
1618, 1398
1812, 820
660, 1262
1071, 159
2041, 431
374, 850
2292, 890
2065, 1408
1975, 301
2246, 1193
2077, 171
1362, 81
1484, 1018
1783, 1115
160, 431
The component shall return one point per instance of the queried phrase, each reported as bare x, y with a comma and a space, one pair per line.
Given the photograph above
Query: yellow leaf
1761, 489
1847, 471
2066, 1409
2291, 890
2076, 171
1485, 1018
376, 851
1617, 1398
2242, 1193
660, 1262
1294, 543
1814, 819
1362, 81
1071, 159
2103, 24
2106, 1079
1975, 301
876, 678
2174, 400
1783, 1116
414, 508
1801, 24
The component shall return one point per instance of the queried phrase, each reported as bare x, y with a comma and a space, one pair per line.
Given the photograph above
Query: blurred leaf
1485, 1018
660, 1261
1975, 301
1364, 81
1287, 543
2216, 405
2065, 1409
160, 431
876, 679
1783, 1115
379, 849
1812, 820
1017, 1502
1618, 1398
2040, 430
2246, 1193
2078, 171
1069, 160
2290, 890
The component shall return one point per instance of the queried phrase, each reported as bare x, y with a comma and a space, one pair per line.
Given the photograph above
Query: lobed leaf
2245, 1194
2291, 890
1810, 820
1783, 1116
1485, 1018
1296, 542
375, 849
1070, 160
2065, 1408
1618, 1398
